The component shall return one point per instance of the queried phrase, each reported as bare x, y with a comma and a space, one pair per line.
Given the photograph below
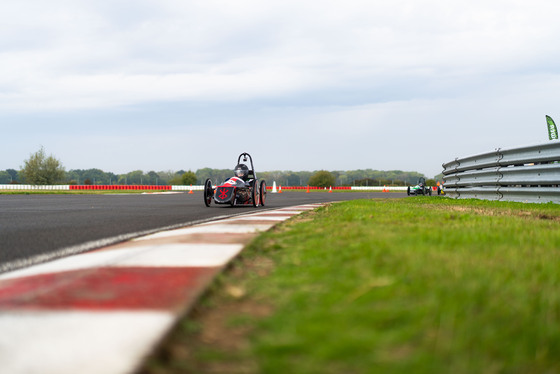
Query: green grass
417, 285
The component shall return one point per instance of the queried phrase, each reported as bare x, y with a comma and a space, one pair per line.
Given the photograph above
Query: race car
242, 189
419, 189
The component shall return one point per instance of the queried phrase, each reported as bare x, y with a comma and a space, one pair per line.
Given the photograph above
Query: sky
300, 85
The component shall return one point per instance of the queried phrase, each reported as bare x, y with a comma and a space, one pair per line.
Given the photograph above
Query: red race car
242, 189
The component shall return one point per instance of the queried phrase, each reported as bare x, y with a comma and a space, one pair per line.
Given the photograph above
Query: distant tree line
100, 177
366, 177
181, 177
360, 177
43, 169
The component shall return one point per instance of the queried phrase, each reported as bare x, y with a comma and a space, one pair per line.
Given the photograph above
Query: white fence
187, 188
379, 188
174, 188
33, 187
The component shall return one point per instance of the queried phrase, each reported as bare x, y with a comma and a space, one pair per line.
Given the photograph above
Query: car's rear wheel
262, 191
208, 192
255, 196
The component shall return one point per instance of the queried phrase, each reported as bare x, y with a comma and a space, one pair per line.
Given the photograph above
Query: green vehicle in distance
419, 189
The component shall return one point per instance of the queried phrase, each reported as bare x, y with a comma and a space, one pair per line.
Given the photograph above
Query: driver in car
242, 171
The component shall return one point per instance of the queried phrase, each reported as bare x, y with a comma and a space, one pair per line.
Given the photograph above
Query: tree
152, 177
95, 176
42, 170
188, 178
165, 176
134, 177
322, 178
5, 177
431, 182
183, 178
216, 175
292, 179
13, 174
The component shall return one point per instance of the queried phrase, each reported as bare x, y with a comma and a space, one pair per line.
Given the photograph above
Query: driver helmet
241, 171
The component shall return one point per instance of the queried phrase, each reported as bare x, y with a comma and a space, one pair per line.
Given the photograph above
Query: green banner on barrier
552, 130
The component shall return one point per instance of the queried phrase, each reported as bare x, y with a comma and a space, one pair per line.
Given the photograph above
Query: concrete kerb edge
111, 258
188, 308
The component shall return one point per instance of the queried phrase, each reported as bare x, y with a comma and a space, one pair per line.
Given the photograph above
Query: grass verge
417, 285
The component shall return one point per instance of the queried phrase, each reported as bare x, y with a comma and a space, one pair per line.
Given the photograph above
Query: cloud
79, 54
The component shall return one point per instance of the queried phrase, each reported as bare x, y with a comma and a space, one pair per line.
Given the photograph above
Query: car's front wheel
208, 192
262, 190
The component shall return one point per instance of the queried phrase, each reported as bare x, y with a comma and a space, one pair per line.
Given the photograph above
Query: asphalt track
37, 228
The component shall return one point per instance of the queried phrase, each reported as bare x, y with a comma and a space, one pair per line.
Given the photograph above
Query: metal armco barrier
524, 174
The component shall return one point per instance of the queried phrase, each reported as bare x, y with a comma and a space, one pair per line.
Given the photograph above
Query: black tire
208, 192
430, 191
262, 190
255, 195
408, 190
233, 197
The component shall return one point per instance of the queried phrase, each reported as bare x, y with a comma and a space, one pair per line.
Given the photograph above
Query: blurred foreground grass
416, 285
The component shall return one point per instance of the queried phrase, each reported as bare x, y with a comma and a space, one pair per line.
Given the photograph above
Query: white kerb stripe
259, 218
110, 342
210, 229
183, 255
168, 255
292, 212
76, 262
